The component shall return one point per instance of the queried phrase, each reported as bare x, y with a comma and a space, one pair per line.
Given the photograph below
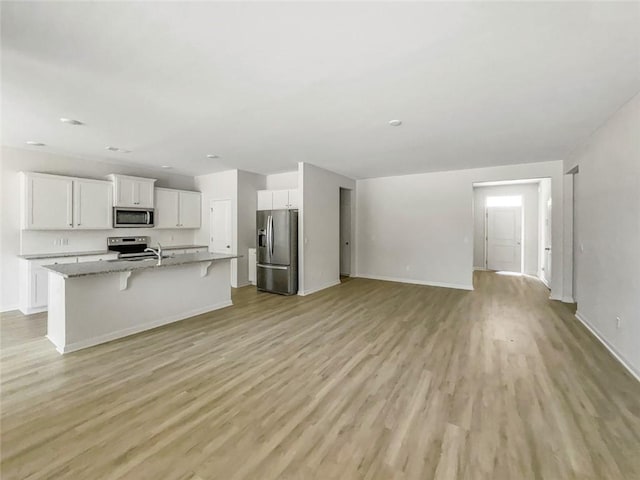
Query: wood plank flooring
366, 380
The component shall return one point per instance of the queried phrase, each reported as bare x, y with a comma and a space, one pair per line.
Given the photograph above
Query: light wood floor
366, 380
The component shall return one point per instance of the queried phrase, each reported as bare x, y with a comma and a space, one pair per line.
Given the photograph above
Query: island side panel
97, 310
56, 311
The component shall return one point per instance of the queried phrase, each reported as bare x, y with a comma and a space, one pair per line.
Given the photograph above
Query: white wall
607, 232
248, 185
15, 160
282, 181
240, 187
319, 227
419, 228
529, 193
219, 186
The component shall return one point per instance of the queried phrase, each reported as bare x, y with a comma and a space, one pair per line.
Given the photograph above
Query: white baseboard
481, 269
72, 347
617, 355
304, 293
31, 311
416, 282
243, 284
10, 308
568, 300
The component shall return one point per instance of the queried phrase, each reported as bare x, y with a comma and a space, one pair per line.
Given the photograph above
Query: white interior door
220, 227
345, 232
546, 266
504, 238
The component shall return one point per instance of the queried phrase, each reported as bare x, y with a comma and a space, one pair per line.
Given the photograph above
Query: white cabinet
34, 283
135, 192
177, 208
252, 266
277, 199
54, 202
97, 258
92, 204
189, 209
265, 200
280, 199
166, 210
47, 202
293, 199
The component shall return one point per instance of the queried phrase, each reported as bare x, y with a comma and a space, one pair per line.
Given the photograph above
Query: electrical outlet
618, 322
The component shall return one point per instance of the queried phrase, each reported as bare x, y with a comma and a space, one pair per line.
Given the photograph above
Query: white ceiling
266, 85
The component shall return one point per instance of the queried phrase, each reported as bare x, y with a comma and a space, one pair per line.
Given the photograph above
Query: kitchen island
96, 302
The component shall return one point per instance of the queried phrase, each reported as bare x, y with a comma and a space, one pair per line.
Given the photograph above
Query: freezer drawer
277, 279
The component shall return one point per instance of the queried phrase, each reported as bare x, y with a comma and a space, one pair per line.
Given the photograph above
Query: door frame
486, 237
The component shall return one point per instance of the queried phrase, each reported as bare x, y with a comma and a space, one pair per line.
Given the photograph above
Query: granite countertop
39, 256
36, 256
72, 270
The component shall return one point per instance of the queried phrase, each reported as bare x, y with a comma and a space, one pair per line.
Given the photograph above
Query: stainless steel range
130, 248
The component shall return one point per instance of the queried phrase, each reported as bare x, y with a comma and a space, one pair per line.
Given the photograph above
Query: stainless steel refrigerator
277, 251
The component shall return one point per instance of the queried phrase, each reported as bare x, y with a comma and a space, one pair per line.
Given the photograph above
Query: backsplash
61, 241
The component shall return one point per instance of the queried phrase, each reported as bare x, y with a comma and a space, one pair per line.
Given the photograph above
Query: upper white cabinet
135, 192
277, 199
265, 200
177, 208
189, 209
47, 202
92, 204
54, 202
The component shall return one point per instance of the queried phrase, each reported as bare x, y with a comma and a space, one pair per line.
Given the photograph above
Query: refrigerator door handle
269, 235
271, 230
272, 267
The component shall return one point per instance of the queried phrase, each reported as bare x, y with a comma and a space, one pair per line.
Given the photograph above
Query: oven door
132, 217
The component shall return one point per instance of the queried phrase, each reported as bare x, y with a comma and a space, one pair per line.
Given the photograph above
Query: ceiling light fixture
212, 156
71, 121
395, 123
166, 166
116, 149
35, 144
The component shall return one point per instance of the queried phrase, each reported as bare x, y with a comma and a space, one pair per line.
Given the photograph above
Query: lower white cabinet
34, 280
252, 266
180, 251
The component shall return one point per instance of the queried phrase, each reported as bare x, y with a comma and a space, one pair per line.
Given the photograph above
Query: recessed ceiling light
116, 149
71, 121
35, 144
166, 166
211, 155
395, 123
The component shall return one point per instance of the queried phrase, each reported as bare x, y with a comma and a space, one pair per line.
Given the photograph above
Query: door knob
548, 249
228, 246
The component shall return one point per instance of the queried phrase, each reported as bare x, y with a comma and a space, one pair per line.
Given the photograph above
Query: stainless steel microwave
126, 217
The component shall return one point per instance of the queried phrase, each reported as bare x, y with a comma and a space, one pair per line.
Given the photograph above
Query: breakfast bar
96, 302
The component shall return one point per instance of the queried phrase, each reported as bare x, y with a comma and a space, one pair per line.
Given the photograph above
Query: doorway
345, 232
497, 229
221, 235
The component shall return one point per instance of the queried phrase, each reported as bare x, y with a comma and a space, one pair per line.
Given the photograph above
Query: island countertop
71, 270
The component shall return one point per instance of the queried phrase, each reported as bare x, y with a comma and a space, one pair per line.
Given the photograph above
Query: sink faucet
157, 252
